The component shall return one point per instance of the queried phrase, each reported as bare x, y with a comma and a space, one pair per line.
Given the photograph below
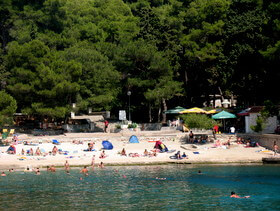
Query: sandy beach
174, 140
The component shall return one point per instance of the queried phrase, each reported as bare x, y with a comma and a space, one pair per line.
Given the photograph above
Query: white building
251, 116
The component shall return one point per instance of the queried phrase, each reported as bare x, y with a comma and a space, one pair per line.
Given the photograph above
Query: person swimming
101, 165
3, 174
52, 169
160, 178
234, 195
37, 172
84, 170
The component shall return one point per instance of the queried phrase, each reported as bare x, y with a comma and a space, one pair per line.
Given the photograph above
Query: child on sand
275, 148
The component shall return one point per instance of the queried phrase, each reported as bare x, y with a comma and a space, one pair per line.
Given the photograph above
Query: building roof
255, 109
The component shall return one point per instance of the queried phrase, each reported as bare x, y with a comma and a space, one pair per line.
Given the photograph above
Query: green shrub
199, 121
260, 124
133, 125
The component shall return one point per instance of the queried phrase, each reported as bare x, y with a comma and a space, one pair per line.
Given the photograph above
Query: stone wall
265, 140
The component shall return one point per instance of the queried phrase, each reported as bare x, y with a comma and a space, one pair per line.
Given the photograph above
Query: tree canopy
166, 52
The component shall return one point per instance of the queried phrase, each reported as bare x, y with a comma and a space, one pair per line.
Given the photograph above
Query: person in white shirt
232, 130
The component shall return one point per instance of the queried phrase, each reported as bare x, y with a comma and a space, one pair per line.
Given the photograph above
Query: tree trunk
159, 112
150, 113
164, 110
232, 99
214, 101
221, 93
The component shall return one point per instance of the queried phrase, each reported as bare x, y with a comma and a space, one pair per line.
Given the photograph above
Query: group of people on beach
197, 140
39, 152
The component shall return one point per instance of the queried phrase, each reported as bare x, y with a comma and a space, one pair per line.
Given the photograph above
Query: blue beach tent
107, 145
133, 139
54, 141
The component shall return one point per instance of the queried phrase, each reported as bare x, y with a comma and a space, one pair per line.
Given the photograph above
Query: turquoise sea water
136, 188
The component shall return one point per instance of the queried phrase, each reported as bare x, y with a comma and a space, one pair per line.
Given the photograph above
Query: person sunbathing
11, 150
102, 155
90, 147
38, 152
133, 155
146, 153
31, 152
178, 155
217, 144
154, 154
54, 150
123, 152
184, 156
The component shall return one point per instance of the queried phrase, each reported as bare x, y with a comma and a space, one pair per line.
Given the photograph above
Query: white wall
270, 124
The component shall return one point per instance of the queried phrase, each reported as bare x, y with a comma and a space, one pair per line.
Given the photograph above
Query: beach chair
12, 131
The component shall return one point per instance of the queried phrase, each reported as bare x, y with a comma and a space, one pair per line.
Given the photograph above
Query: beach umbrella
213, 111
194, 110
244, 112
224, 115
175, 110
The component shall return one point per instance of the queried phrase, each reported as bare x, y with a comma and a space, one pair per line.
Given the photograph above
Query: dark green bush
199, 121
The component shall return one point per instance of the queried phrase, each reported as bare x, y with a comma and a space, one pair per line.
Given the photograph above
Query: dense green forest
166, 52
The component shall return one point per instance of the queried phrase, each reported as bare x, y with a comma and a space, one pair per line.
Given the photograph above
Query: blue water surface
170, 187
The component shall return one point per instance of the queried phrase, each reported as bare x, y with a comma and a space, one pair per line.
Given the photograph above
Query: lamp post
129, 116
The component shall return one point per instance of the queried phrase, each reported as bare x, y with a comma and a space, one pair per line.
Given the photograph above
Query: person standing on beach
93, 161
216, 128
106, 124
232, 130
275, 148
67, 166
191, 135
